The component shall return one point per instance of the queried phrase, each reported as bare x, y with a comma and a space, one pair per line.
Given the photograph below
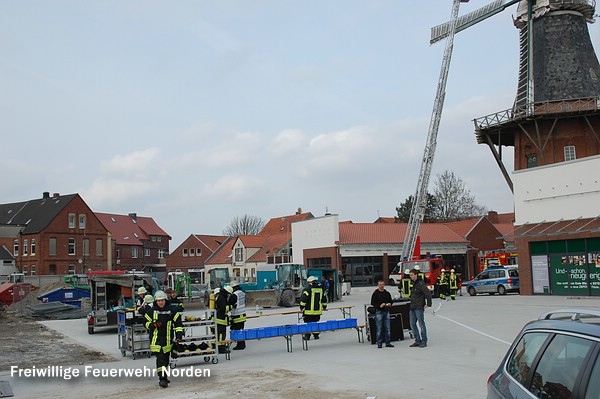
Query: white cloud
234, 188
141, 164
288, 142
106, 192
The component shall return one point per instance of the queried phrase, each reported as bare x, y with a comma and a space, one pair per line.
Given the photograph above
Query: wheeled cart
200, 338
133, 335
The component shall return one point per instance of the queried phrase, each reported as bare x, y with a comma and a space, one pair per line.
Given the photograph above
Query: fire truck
430, 267
497, 258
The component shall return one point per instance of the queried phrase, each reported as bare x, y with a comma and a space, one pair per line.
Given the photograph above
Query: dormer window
570, 153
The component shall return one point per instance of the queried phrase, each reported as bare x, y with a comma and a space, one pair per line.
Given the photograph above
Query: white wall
319, 232
565, 190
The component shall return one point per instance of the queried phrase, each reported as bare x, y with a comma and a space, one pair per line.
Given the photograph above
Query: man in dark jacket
312, 303
381, 300
223, 306
164, 324
420, 299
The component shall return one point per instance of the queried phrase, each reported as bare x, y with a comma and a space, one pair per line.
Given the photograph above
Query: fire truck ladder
417, 211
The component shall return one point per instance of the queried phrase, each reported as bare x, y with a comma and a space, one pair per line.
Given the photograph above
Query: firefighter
453, 281
163, 323
173, 300
223, 307
421, 274
442, 284
312, 303
238, 313
141, 292
147, 306
405, 284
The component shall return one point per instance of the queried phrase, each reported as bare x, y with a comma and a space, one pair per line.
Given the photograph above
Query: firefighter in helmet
312, 303
442, 284
223, 306
405, 284
238, 312
141, 292
164, 326
453, 282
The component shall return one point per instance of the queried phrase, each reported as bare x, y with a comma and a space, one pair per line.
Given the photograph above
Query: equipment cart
200, 338
399, 315
133, 335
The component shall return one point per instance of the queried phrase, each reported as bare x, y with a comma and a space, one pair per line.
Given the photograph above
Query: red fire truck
497, 258
430, 267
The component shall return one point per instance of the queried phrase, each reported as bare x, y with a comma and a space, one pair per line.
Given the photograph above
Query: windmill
558, 77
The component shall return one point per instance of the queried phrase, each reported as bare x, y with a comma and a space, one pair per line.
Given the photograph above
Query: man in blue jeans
420, 299
381, 300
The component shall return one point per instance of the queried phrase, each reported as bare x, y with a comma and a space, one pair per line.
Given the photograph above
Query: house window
99, 247
570, 153
33, 246
71, 220
198, 251
153, 239
16, 248
33, 270
118, 255
192, 251
239, 254
158, 239
147, 252
71, 269
71, 246
52, 246
25, 270
86, 246
161, 254
25, 247
52, 269
134, 252
185, 252
82, 222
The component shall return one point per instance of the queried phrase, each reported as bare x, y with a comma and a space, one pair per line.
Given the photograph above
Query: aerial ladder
444, 31
417, 211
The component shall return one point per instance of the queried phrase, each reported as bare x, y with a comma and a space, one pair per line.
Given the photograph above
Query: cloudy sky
194, 112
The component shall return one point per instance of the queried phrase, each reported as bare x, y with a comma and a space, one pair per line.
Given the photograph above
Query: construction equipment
217, 278
276, 285
77, 281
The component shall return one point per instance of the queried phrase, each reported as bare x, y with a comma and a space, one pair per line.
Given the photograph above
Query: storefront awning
556, 227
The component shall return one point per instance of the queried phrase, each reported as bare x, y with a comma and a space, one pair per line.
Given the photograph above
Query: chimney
133, 216
493, 216
46, 195
55, 195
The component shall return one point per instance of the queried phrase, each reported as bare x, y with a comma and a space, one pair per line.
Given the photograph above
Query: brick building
56, 234
193, 252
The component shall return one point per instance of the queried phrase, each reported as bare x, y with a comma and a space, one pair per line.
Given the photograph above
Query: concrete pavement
467, 339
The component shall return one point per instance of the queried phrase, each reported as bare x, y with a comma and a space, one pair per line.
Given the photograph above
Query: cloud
287, 142
112, 192
140, 164
234, 188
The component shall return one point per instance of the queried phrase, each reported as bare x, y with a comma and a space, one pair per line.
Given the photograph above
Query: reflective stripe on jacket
161, 338
313, 301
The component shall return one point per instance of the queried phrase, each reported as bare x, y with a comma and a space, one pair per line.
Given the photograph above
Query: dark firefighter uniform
164, 325
453, 281
406, 285
238, 312
223, 306
312, 303
442, 283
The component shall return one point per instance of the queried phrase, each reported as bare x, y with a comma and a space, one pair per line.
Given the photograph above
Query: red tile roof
251, 241
283, 223
222, 255
124, 231
393, 233
210, 242
385, 220
463, 227
270, 246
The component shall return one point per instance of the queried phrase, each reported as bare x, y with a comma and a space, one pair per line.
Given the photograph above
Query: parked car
494, 280
555, 356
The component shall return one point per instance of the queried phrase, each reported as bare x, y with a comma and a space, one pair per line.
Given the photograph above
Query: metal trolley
133, 335
200, 338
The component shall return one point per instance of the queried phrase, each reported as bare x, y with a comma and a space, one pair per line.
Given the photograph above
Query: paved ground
468, 338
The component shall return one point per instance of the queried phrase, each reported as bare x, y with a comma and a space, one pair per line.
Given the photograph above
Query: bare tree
245, 225
453, 200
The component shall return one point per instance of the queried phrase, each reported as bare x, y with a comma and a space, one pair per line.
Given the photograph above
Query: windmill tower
554, 127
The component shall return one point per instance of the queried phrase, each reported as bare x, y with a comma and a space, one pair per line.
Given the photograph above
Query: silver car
494, 280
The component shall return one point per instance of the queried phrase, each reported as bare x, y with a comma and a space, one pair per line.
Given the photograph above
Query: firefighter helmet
417, 267
148, 299
311, 279
442, 270
142, 290
234, 283
452, 271
216, 291
160, 295
406, 271
229, 289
